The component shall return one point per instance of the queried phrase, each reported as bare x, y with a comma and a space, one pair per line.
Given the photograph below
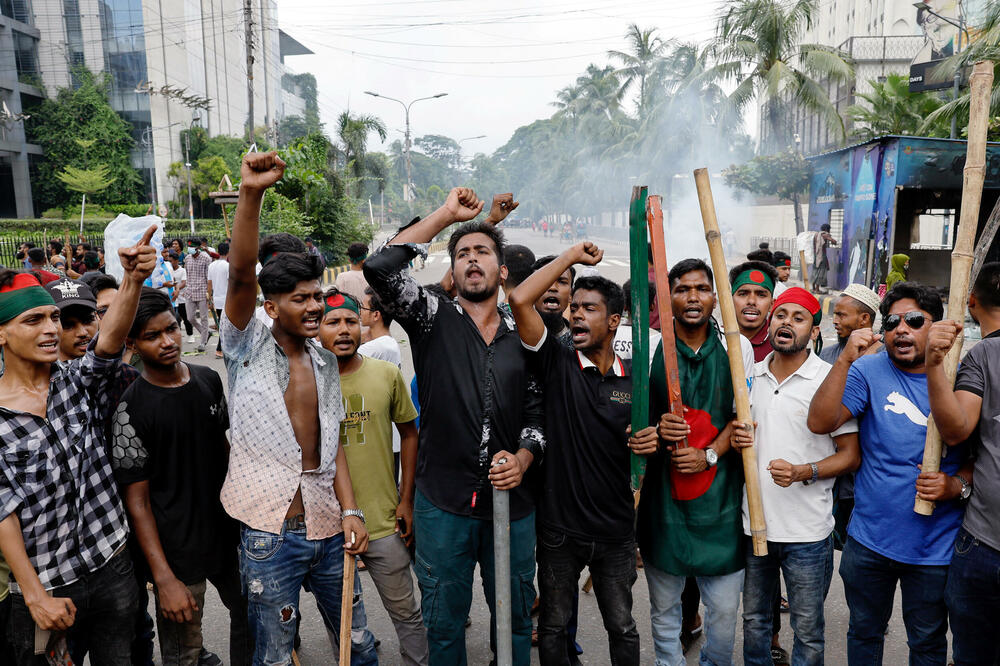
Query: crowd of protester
126, 469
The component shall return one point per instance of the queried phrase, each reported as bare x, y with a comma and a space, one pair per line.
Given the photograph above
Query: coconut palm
890, 108
758, 46
353, 132
645, 48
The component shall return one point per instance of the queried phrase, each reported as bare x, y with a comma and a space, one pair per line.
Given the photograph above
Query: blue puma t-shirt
893, 407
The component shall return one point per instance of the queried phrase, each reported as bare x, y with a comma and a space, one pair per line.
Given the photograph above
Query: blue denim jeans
973, 597
721, 596
870, 585
808, 569
448, 548
274, 568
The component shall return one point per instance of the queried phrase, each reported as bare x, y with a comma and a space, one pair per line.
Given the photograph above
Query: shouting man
753, 288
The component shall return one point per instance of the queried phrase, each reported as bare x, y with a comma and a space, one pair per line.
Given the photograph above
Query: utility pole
408, 191
248, 20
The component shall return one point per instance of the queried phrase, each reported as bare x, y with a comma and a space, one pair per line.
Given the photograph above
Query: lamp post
960, 24
406, 145
187, 165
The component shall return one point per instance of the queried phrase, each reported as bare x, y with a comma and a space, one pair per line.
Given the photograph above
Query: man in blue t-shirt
887, 541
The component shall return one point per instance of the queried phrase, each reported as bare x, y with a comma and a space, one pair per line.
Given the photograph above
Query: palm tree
758, 46
353, 131
637, 64
599, 93
892, 109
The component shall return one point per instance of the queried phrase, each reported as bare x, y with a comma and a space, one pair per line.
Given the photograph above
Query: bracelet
815, 474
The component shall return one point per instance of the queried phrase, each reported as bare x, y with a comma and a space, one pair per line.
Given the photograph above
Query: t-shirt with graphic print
892, 407
375, 397
175, 438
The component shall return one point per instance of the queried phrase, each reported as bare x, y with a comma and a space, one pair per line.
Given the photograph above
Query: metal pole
248, 20
187, 164
501, 573
406, 147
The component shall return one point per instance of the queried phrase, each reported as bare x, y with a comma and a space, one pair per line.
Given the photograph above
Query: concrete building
156, 52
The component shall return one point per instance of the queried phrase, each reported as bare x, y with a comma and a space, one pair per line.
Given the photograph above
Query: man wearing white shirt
797, 470
623, 337
218, 284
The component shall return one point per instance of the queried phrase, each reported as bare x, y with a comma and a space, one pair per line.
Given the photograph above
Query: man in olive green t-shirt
6, 652
375, 396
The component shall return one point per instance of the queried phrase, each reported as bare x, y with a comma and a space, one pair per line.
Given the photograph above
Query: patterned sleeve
11, 492
412, 306
129, 451
97, 377
236, 344
532, 435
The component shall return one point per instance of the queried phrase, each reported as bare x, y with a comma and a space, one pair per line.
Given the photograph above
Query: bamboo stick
758, 528
980, 84
346, 608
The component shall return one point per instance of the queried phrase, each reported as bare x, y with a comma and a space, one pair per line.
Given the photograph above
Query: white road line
615, 262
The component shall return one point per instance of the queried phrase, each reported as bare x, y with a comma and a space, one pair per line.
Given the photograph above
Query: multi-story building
163, 57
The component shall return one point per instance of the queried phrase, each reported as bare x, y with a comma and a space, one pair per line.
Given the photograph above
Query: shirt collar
807, 370
617, 367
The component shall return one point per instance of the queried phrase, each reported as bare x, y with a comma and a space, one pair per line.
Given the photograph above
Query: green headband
754, 276
18, 301
341, 301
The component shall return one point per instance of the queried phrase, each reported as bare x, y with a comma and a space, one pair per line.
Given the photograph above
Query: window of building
19, 10
934, 229
26, 58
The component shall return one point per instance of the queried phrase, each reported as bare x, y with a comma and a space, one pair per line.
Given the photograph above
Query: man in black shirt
586, 511
475, 410
170, 454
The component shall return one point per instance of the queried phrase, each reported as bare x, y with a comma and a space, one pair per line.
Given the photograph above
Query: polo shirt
586, 492
799, 513
761, 344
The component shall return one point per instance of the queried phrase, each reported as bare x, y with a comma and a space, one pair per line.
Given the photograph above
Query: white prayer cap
863, 294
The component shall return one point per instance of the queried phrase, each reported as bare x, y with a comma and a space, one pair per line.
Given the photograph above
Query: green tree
890, 108
353, 132
784, 174
83, 113
759, 46
645, 49
85, 181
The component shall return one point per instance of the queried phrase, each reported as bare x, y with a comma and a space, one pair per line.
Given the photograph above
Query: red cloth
691, 486
798, 296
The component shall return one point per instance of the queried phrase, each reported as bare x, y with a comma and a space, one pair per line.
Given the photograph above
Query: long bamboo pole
980, 85
346, 608
758, 528
804, 269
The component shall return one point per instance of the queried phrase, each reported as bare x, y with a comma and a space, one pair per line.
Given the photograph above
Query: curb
330, 273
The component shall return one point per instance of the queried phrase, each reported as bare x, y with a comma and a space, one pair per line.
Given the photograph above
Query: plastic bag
804, 243
125, 231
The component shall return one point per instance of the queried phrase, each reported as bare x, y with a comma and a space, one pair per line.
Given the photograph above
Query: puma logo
900, 404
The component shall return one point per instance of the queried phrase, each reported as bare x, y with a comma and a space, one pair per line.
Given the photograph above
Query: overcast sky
500, 61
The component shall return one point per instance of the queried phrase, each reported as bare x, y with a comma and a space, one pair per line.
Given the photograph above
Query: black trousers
182, 312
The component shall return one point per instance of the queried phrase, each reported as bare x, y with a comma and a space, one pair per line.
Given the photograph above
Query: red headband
800, 296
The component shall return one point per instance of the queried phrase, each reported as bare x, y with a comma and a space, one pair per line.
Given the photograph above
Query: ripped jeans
273, 568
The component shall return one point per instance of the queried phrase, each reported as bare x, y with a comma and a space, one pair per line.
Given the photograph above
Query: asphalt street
316, 648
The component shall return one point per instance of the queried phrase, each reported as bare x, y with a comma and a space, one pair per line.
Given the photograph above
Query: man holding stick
888, 543
284, 413
973, 588
798, 469
475, 410
586, 510
689, 521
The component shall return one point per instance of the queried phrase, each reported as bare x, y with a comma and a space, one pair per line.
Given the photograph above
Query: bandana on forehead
754, 276
800, 296
23, 294
341, 301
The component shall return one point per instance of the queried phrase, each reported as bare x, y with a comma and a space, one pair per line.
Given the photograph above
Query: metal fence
786, 245
10, 244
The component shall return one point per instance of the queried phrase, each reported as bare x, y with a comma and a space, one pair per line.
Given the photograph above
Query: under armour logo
67, 289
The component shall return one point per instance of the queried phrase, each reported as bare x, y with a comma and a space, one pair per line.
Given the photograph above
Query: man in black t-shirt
585, 513
170, 454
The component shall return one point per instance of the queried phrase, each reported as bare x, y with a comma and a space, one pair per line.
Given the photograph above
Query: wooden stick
985, 242
980, 83
758, 528
225, 219
654, 217
346, 608
804, 270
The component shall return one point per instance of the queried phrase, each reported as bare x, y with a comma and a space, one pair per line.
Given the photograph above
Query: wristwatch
815, 474
357, 513
966, 488
711, 457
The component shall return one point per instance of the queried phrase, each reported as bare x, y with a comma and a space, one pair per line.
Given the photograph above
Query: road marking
615, 262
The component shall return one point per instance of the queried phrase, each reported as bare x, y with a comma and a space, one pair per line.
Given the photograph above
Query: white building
195, 46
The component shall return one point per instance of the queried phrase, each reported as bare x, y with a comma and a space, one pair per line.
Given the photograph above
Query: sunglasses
914, 320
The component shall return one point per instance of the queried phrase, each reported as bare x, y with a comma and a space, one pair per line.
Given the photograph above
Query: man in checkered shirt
62, 523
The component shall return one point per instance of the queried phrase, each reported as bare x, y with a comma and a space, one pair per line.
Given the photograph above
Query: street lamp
406, 146
960, 24
187, 164
461, 161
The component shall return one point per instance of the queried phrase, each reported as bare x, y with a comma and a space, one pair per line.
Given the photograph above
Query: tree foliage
85, 181
890, 108
83, 113
785, 175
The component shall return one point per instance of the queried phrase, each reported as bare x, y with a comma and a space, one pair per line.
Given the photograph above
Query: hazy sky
501, 62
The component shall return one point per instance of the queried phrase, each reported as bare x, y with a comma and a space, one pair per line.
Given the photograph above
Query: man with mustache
586, 510
854, 309
375, 398
797, 469
888, 543
63, 528
480, 427
753, 288
172, 474
689, 522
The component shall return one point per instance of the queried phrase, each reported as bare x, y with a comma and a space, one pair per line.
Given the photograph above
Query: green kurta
702, 536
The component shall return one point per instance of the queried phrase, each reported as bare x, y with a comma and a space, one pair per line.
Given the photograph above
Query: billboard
939, 23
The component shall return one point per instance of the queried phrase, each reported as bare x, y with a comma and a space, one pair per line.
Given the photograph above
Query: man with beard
753, 285
689, 521
171, 474
854, 309
797, 470
483, 429
375, 398
552, 305
586, 510
887, 541
973, 589
284, 412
